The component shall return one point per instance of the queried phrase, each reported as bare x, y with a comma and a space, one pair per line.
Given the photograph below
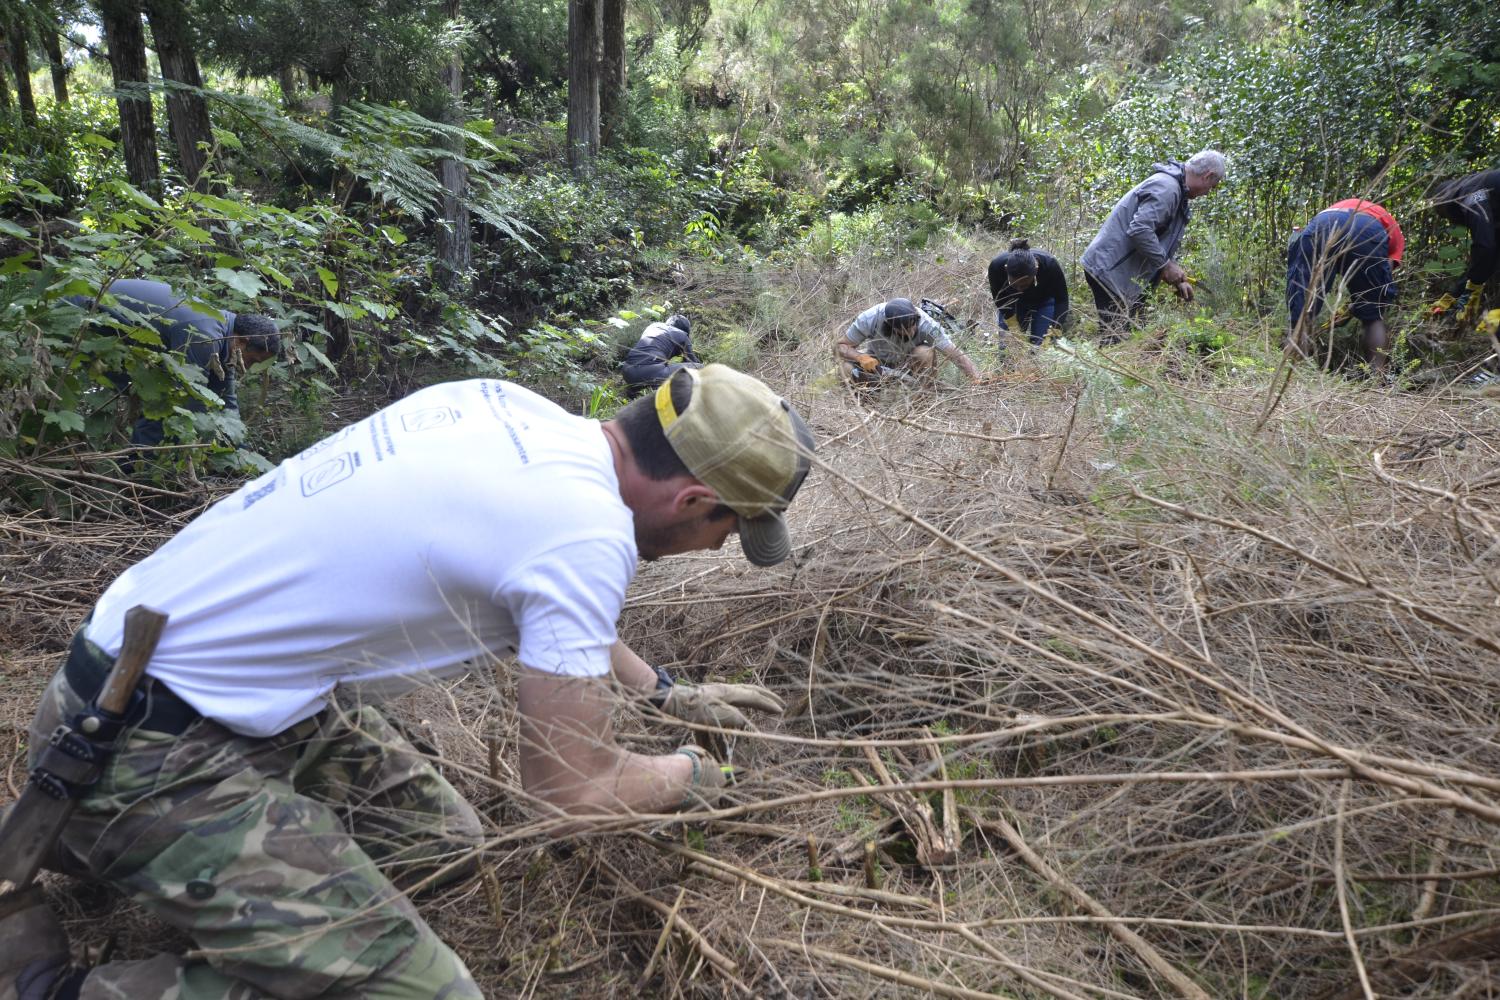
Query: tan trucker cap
747, 444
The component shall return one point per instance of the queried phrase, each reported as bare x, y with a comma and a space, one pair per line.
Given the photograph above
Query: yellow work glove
1013, 323
719, 704
710, 778
1338, 319
1490, 324
867, 362
1473, 296
1443, 304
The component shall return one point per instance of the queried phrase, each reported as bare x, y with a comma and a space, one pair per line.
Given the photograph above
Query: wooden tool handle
143, 628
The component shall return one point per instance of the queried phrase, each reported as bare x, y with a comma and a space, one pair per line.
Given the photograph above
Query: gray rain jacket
1141, 234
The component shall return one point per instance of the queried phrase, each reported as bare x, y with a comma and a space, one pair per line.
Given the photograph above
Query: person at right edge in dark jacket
1473, 202
1029, 290
1137, 244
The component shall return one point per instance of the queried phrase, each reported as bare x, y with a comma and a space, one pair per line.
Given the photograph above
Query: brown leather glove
867, 362
710, 778
719, 704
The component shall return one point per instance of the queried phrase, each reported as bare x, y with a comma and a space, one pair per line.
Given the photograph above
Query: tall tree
187, 111
612, 72
4, 87
127, 61
49, 20
52, 42
15, 30
454, 245
583, 83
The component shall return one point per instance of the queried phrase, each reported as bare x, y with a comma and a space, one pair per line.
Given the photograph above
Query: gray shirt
1142, 233
186, 325
870, 335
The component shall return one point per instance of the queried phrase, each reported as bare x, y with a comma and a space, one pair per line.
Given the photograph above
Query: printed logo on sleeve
329, 473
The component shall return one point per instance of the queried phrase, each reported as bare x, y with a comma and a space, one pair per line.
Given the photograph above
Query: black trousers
1116, 316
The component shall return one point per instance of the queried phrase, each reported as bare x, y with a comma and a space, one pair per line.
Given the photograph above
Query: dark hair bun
1020, 244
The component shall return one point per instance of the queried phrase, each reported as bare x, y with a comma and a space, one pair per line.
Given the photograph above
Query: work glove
1172, 273
1339, 318
710, 778
1184, 290
1443, 304
1472, 298
1490, 324
1013, 323
719, 705
867, 362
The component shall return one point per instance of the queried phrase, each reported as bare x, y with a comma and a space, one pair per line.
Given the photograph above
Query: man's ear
692, 496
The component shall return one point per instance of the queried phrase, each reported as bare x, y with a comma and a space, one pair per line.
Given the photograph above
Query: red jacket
1392, 231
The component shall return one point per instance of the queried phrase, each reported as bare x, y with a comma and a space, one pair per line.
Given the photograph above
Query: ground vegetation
1160, 670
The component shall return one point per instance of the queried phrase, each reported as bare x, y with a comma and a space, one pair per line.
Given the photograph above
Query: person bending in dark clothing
1349, 244
1029, 290
213, 339
649, 362
1473, 202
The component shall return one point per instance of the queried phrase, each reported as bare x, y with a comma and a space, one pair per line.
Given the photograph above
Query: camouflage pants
276, 855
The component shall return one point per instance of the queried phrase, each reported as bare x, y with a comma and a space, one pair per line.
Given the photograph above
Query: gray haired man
1137, 245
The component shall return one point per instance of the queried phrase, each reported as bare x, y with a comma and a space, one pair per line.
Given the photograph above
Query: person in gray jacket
1137, 244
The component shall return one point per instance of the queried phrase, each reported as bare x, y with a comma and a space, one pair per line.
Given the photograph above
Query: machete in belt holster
74, 757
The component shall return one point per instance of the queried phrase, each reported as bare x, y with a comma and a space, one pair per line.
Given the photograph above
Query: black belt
158, 710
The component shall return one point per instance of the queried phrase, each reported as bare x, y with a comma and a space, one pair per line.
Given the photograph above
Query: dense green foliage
835, 129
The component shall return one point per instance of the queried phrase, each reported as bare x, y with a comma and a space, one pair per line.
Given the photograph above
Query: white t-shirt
470, 518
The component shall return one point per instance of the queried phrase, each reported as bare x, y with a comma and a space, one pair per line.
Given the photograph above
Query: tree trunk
289, 87
4, 87
583, 83
53, 44
187, 111
454, 237
612, 72
20, 64
127, 61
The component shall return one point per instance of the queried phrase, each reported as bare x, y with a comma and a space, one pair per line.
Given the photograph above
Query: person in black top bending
649, 362
1029, 291
1474, 203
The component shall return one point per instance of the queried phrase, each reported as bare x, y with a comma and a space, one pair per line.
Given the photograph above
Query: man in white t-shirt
271, 817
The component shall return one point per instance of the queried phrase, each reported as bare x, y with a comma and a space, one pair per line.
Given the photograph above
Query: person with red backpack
1355, 240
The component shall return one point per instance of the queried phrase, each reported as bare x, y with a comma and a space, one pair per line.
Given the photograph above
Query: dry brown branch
1179, 980
882, 971
1343, 895
933, 848
1353, 579
725, 966
1480, 943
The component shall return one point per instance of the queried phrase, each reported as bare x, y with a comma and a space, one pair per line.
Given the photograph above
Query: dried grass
1213, 709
